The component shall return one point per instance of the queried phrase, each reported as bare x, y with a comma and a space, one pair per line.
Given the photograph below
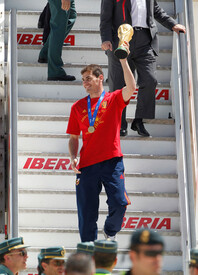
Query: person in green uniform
105, 256
146, 250
193, 266
85, 247
13, 256
80, 264
51, 260
63, 16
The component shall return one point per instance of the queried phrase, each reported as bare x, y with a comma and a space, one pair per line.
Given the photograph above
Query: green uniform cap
14, 243
85, 247
105, 246
194, 256
57, 253
146, 236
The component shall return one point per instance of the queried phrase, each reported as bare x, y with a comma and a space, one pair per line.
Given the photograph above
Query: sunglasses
21, 253
58, 262
151, 253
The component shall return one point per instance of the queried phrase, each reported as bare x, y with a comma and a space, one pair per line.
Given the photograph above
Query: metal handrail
182, 75
12, 111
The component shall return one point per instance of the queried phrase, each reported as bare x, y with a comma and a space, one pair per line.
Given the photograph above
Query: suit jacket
117, 12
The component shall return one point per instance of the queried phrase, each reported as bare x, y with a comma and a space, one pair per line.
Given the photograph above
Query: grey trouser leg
143, 59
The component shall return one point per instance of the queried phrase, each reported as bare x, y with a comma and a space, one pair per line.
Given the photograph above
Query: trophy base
121, 53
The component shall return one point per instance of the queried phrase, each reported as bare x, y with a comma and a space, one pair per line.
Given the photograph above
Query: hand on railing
178, 28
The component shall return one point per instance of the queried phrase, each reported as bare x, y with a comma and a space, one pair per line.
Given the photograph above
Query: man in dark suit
143, 51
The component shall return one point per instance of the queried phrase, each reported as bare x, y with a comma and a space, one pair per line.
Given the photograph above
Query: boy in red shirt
98, 116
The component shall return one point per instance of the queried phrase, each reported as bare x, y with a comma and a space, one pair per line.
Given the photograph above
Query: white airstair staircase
47, 203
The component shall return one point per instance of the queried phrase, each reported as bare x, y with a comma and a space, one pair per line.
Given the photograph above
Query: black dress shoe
123, 132
139, 127
66, 77
42, 60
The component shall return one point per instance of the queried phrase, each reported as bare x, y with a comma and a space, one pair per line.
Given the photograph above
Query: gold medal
91, 129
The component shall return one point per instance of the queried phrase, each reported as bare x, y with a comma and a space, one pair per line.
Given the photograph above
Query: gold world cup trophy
125, 33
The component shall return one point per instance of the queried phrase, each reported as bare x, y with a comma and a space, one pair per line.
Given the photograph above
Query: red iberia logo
146, 222
36, 39
48, 164
160, 94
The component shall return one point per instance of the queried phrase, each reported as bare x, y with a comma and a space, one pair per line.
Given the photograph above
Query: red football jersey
104, 142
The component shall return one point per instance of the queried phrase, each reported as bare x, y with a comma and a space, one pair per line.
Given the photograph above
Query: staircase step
72, 90
133, 163
66, 199
67, 218
77, 37
72, 54
129, 145
58, 125
47, 106
71, 237
38, 72
134, 182
84, 20
85, 7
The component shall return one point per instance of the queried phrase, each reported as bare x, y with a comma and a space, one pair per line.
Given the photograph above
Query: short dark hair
94, 68
40, 268
104, 259
79, 263
2, 260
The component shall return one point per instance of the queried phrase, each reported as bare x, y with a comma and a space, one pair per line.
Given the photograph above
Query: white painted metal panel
139, 201
48, 107
59, 126
70, 239
39, 73
58, 90
133, 164
130, 145
29, 179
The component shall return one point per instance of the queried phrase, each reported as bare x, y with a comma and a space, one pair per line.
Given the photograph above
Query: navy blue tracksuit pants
110, 174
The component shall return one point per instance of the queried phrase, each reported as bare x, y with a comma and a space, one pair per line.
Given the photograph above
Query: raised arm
73, 151
129, 79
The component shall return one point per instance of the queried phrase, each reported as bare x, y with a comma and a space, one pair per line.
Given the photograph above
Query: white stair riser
68, 201
169, 262
71, 239
70, 220
70, 55
55, 90
63, 182
35, 73
59, 127
63, 108
164, 166
38, 5
60, 145
88, 6
61, 90
77, 38
90, 22
132, 165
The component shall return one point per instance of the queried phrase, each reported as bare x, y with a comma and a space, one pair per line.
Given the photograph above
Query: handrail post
13, 123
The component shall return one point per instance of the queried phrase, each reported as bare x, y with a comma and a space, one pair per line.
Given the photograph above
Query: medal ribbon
92, 119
